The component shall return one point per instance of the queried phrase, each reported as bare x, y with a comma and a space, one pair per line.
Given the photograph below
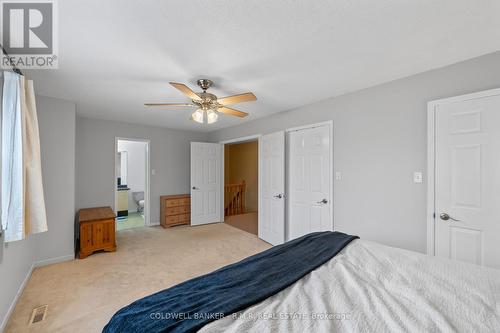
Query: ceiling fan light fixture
198, 116
208, 106
212, 116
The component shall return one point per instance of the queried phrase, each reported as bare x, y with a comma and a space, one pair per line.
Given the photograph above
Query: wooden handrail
234, 195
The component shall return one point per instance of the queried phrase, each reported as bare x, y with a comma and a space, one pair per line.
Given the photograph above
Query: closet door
309, 200
467, 180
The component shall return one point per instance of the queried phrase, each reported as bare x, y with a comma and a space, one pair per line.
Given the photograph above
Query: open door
272, 188
205, 183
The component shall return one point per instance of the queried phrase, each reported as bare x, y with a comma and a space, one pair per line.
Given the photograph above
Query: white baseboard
16, 298
55, 260
35, 264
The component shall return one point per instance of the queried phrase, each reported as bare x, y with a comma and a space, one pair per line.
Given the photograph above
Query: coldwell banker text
29, 34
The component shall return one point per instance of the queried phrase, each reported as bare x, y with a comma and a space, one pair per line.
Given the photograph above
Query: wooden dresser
97, 230
175, 210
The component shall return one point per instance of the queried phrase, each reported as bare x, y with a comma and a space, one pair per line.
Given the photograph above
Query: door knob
324, 201
446, 217
195, 188
279, 196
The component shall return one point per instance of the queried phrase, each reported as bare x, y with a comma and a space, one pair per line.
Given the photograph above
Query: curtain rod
14, 68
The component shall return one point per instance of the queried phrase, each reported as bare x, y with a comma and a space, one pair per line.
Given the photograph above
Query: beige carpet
247, 222
83, 294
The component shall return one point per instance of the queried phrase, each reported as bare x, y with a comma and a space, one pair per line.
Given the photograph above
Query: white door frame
223, 143
287, 173
147, 190
431, 157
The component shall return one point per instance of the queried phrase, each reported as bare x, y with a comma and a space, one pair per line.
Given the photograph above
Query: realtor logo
28, 34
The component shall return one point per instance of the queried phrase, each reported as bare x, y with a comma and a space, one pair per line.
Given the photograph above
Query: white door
205, 183
309, 181
467, 181
272, 188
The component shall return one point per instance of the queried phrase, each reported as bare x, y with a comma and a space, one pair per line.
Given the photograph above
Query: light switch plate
338, 175
418, 177
153, 172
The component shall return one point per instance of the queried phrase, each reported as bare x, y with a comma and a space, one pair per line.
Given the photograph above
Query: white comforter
369, 287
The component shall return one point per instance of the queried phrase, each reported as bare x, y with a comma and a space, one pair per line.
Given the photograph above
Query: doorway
290, 206
131, 183
241, 181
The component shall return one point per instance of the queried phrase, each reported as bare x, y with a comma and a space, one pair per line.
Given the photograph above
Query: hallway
247, 222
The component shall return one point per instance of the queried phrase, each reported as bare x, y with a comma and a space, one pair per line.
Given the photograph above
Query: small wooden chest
97, 230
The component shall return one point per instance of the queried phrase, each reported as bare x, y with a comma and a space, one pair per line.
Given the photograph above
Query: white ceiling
116, 55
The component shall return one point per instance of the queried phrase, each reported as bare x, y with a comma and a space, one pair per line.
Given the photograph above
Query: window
22, 201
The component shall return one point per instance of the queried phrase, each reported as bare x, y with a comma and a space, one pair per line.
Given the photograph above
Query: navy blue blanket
189, 306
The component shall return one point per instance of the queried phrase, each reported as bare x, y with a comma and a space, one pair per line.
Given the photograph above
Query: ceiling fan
208, 105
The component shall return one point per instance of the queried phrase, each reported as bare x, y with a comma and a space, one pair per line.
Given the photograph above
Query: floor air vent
38, 314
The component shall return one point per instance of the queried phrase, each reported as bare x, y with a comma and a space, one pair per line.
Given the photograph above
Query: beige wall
241, 163
95, 160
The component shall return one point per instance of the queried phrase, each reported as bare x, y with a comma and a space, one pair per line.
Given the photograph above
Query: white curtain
23, 204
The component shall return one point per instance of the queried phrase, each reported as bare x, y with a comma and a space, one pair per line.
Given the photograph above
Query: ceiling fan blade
240, 98
232, 112
168, 104
185, 90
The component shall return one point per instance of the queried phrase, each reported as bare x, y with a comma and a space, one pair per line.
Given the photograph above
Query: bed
362, 287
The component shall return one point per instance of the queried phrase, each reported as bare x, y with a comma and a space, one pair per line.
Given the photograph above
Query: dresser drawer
172, 202
185, 202
178, 202
172, 219
177, 219
178, 210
